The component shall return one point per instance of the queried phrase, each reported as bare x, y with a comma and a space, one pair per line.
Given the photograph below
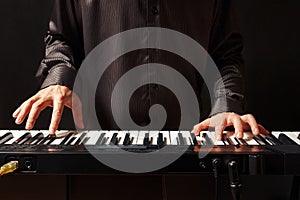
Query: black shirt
78, 26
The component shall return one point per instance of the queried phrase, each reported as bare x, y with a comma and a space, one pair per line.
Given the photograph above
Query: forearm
226, 50
229, 92
64, 51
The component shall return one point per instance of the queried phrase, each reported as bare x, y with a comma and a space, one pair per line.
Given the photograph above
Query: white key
134, 137
77, 136
154, 136
291, 135
109, 136
174, 138
61, 133
252, 142
141, 137
219, 143
211, 136
294, 136
17, 135
200, 140
276, 133
233, 140
2, 133
241, 143
248, 137
174, 135
121, 136
94, 136
186, 137
33, 134
57, 141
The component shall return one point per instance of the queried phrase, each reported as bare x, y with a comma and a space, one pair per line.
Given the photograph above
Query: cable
234, 179
164, 187
9, 167
216, 163
68, 187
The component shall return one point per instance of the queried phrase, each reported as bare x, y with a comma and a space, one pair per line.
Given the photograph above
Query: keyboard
71, 152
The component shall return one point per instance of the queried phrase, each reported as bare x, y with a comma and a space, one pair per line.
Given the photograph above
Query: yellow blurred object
9, 167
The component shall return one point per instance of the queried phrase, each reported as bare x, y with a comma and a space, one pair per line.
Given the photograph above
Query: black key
273, 139
85, 140
71, 140
66, 138
127, 140
230, 142
6, 137
99, 141
160, 140
24, 138
51, 139
114, 139
259, 141
146, 140
238, 142
80, 139
264, 140
48, 140
207, 139
194, 140
224, 139
286, 140
298, 136
34, 140
181, 140
243, 141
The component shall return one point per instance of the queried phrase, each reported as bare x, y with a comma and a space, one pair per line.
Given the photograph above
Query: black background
271, 34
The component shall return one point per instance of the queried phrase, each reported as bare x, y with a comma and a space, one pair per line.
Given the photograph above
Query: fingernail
17, 121
81, 126
193, 131
240, 135
51, 131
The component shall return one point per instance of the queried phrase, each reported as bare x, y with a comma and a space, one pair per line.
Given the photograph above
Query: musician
76, 27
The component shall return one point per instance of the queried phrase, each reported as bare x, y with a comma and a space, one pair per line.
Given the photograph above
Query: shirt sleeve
226, 47
64, 51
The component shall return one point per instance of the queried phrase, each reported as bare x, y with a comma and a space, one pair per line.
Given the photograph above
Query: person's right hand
55, 96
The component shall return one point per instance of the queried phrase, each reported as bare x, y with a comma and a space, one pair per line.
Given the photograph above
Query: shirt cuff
60, 75
227, 105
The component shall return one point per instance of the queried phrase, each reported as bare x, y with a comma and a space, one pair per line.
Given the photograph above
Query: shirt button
154, 10
146, 59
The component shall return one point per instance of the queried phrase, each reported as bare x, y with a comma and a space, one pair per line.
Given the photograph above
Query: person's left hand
240, 123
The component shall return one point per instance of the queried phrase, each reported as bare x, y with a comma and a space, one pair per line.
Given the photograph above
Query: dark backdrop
271, 33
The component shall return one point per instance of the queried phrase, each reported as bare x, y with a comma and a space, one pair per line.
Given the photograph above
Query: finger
34, 113
200, 127
252, 123
58, 107
220, 124
24, 110
76, 106
219, 129
16, 113
238, 126
262, 130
